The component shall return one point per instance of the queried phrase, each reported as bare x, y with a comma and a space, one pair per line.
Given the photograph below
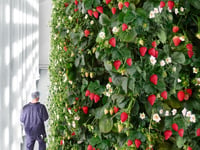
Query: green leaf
195, 3
162, 36
94, 141
88, 4
105, 124
178, 57
77, 61
128, 36
104, 20
82, 60
131, 84
129, 17
108, 65
180, 142
124, 83
96, 3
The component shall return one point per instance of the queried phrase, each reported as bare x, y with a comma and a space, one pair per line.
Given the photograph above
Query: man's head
35, 95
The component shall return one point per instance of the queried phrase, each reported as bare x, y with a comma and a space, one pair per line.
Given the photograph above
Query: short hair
35, 94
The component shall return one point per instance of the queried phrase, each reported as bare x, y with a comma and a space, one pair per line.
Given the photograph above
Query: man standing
33, 116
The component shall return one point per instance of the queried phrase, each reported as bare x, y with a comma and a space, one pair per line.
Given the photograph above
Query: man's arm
22, 116
45, 115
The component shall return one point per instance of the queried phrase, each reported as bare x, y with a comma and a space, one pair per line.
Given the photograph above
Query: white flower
179, 80
152, 14
76, 118
162, 63
69, 110
160, 9
67, 31
195, 70
182, 9
70, 18
167, 113
174, 111
110, 90
188, 114
86, 16
174, 69
142, 116
108, 86
108, 94
156, 117
73, 124
193, 118
115, 30
182, 38
169, 10
176, 11
129, 28
153, 60
57, 117
69, 124
184, 111
156, 10
161, 111
102, 35
92, 22
168, 60
70, 82
198, 81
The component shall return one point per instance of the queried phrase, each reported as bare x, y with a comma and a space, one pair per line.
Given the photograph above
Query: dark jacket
33, 116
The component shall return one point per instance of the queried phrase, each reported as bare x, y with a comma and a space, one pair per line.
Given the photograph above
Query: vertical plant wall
125, 75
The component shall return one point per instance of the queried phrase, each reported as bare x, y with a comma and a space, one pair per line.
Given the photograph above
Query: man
33, 116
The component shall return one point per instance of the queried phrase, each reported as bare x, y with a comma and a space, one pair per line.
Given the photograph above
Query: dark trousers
30, 141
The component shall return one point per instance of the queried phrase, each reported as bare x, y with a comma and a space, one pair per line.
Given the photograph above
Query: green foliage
82, 58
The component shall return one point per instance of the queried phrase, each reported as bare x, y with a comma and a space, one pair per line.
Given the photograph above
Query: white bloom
108, 94
193, 118
129, 28
174, 69
69, 110
86, 16
110, 90
76, 118
182, 38
115, 30
57, 117
184, 111
156, 117
102, 35
152, 14
73, 124
91, 22
167, 113
188, 114
70, 82
142, 116
174, 111
168, 60
156, 10
67, 31
182, 9
169, 10
153, 60
176, 11
160, 9
69, 124
198, 81
108, 86
70, 18
195, 70
162, 63
161, 111
179, 80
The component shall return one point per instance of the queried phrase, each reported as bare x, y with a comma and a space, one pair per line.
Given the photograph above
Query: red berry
162, 4
180, 95
190, 53
110, 79
89, 147
130, 142
154, 79
129, 61
86, 32
96, 14
153, 44
99, 9
164, 94
117, 64
137, 143
175, 127
143, 51
198, 132
87, 93
92, 96
120, 5
181, 132
112, 42
124, 27
116, 109
170, 4
151, 99
175, 29
90, 12
96, 98
85, 109
113, 10
126, 4
108, 1
167, 134
176, 40
189, 91
124, 116
66, 4
61, 142
189, 148
189, 47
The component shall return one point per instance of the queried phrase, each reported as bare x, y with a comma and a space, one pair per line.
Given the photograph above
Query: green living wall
125, 75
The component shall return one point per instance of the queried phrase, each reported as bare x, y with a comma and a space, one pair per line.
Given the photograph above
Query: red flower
85, 109
137, 143
112, 42
113, 10
126, 4
87, 93
86, 32
175, 29
99, 9
129, 61
162, 4
124, 116
116, 109
154, 79
167, 134
170, 4
180, 95
129, 143
124, 27
151, 99
120, 5
175, 127
117, 64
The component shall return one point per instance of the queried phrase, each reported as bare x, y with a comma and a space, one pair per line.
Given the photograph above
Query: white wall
44, 30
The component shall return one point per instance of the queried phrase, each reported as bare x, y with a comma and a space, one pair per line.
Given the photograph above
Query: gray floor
43, 88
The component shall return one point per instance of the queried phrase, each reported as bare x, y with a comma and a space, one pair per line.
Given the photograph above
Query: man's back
33, 116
